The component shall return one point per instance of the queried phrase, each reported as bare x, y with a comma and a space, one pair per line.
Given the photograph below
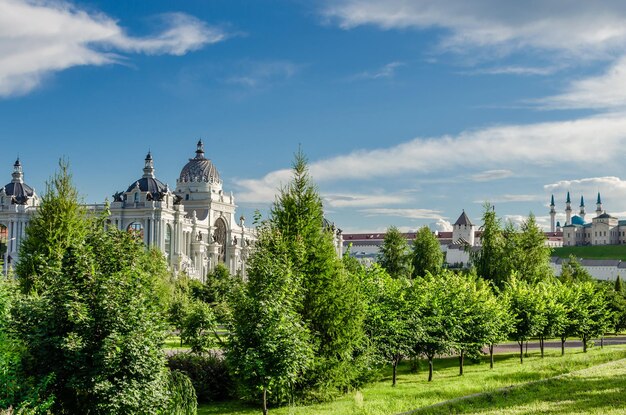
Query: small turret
552, 214
582, 208
568, 210
148, 169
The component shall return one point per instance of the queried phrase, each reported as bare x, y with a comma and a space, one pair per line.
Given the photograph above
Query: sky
409, 111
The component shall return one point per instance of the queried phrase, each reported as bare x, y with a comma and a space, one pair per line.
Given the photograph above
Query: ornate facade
194, 225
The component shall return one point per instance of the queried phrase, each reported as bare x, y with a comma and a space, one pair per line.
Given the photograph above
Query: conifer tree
332, 306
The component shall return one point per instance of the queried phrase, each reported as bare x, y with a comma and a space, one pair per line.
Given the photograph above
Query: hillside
592, 252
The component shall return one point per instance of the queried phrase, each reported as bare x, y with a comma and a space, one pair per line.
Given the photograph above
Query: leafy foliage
393, 254
199, 327
183, 400
427, 255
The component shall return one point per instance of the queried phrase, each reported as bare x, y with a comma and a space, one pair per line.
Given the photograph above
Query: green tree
488, 260
427, 255
554, 311
199, 328
499, 322
572, 271
568, 298
91, 310
526, 309
393, 254
270, 349
388, 317
532, 256
434, 300
591, 313
332, 306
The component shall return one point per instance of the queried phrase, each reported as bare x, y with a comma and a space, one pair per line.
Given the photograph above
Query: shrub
183, 400
208, 373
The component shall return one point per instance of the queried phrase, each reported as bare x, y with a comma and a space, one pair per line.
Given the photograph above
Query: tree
427, 255
554, 311
532, 258
436, 305
393, 254
388, 317
270, 349
527, 311
569, 299
488, 260
199, 328
90, 313
618, 285
591, 313
499, 322
332, 306
572, 271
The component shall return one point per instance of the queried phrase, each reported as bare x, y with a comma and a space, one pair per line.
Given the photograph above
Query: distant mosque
603, 229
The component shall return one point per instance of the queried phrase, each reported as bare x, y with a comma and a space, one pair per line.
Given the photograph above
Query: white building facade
194, 225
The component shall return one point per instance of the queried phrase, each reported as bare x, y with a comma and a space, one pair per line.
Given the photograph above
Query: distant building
195, 225
604, 229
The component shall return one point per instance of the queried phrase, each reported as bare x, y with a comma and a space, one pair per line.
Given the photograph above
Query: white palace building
195, 225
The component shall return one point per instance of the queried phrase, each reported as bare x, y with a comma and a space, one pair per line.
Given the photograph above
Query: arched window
168, 241
136, 229
137, 197
220, 238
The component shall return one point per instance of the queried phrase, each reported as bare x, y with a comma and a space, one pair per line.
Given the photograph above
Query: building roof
463, 220
606, 216
17, 190
199, 169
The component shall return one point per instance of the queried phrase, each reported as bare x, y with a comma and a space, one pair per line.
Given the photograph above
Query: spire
148, 169
18, 175
552, 201
582, 201
568, 199
200, 150
599, 201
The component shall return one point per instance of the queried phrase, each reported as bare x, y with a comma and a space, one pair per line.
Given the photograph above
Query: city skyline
409, 112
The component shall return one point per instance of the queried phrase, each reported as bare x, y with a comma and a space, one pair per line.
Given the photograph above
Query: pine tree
332, 306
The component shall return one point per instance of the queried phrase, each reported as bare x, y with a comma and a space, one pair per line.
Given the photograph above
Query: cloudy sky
409, 111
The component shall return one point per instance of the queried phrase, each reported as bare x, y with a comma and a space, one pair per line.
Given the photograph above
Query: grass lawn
173, 343
413, 391
592, 252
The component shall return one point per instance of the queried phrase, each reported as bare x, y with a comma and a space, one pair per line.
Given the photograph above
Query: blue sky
409, 111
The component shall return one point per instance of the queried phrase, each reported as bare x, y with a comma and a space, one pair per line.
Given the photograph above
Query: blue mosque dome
577, 220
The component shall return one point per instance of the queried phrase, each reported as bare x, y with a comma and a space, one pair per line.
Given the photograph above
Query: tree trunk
491, 356
264, 400
541, 339
521, 351
430, 368
395, 368
562, 346
461, 357
585, 343
526, 354
602, 342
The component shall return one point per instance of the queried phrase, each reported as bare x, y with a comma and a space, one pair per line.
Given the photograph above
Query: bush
183, 400
208, 373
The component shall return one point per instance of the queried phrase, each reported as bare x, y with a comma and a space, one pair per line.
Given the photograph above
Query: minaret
18, 175
598, 205
582, 208
552, 215
148, 168
568, 210
200, 150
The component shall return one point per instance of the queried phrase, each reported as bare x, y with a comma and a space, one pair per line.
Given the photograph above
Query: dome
577, 220
17, 190
149, 183
199, 169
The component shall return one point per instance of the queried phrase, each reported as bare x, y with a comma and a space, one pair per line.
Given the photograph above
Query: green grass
413, 391
592, 252
173, 343
597, 390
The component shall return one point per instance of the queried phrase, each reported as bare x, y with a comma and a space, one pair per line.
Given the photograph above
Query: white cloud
517, 70
591, 29
441, 225
606, 91
356, 200
38, 38
259, 74
540, 145
488, 175
403, 213
387, 71
611, 188
511, 199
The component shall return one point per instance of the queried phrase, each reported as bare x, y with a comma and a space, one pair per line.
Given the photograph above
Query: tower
582, 208
463, 230
598, 205
568, 210
552, 215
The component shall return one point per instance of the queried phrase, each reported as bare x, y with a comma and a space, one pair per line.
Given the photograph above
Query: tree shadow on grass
566, 395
